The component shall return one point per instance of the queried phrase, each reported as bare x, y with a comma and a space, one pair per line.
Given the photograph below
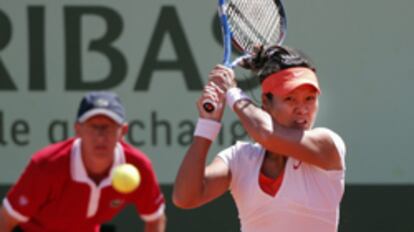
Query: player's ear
77, 128
125, 129
265, 102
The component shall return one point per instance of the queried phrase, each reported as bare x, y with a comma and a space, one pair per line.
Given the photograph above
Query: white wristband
208, 129
235, 94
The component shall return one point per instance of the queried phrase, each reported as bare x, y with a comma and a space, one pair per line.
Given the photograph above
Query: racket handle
209, 106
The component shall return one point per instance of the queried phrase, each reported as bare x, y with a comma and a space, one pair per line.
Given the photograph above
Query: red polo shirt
55, 194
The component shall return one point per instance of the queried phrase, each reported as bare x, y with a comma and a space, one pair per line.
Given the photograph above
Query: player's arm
315, 146
7, 222
195, 183
157, 225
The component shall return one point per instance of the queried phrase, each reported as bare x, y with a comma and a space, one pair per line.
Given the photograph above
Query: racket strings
272, 28
242, 28
254, 23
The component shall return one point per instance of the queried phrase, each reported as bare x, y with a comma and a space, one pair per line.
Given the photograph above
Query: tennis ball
125, 178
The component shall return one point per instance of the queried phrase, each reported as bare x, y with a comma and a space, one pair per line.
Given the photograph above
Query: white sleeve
237, 158
16, 215
227, 155
339, 143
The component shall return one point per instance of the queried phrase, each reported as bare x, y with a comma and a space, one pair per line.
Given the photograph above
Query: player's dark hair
275, 59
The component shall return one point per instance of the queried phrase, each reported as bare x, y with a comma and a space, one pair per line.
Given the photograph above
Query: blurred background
156, 55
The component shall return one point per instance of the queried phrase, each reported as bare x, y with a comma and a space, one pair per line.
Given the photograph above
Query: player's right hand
212, 93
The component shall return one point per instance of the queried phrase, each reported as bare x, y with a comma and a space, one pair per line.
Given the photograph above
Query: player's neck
97, 169
273, 165
97, 178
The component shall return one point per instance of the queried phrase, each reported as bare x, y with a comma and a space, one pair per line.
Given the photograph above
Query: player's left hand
223, 77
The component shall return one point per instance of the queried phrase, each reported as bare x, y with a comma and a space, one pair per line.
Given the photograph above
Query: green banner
156, 56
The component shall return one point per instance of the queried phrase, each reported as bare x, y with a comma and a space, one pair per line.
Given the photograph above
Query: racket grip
209, 106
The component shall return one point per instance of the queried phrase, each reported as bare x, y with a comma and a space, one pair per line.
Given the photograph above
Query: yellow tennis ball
125, 178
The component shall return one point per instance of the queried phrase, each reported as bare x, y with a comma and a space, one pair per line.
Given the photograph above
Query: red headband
283, 82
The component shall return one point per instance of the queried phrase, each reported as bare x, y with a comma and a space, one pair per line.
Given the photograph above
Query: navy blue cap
101, 103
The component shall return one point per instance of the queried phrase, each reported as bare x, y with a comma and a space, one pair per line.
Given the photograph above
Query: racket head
251, 23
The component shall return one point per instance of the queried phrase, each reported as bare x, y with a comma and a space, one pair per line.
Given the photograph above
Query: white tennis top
308, 198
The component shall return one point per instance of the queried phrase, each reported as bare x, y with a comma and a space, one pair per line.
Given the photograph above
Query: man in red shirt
67, 185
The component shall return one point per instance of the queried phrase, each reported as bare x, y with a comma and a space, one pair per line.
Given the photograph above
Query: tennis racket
248, 24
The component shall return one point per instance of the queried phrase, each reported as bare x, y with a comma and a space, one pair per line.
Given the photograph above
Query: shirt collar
78, 170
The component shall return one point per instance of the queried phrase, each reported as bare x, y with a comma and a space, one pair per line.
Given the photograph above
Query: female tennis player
292, 177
